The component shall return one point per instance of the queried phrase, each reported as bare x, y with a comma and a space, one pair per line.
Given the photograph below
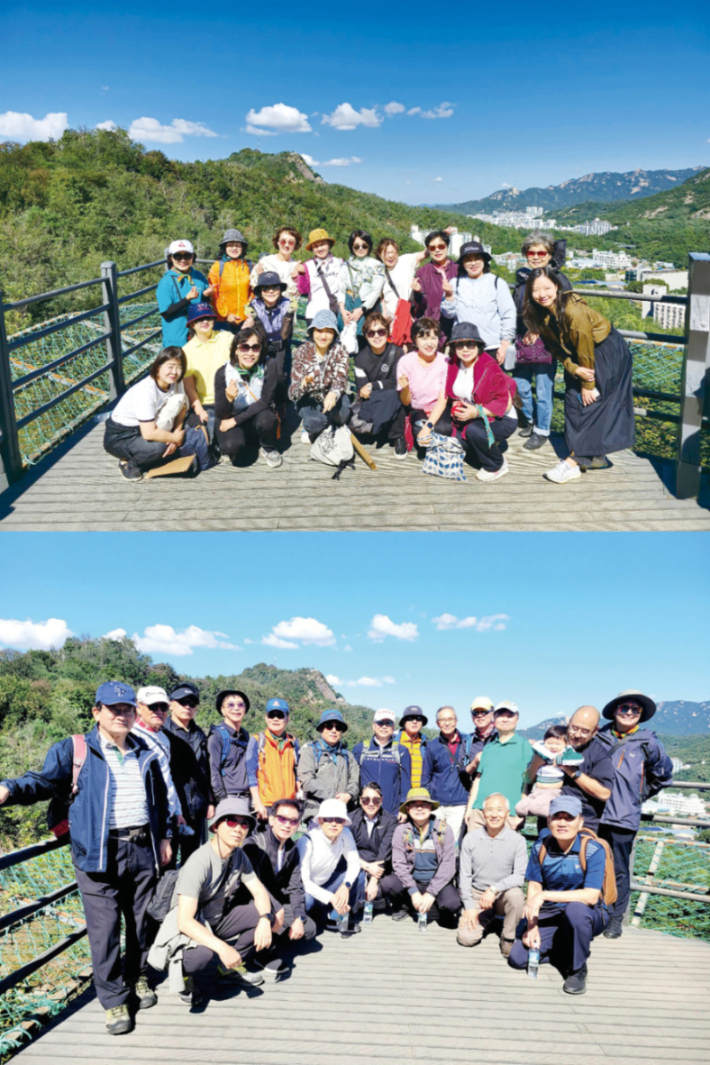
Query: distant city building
645, 308
527, 219
597, 228
672, 279
669, 315
611, 260
681, 805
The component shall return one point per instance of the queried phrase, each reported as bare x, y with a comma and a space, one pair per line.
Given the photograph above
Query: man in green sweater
501, 768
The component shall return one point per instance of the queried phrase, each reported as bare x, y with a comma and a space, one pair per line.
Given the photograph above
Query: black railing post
112, 325
10, 455
695, 385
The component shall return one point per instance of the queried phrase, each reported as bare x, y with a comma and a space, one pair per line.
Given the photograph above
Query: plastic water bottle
367, 913
343, 923
533, 962
423, 922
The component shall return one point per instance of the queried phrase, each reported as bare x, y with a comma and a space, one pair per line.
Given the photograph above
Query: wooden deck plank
79, 488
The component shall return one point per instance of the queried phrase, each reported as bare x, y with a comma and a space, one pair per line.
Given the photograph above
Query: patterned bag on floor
333, 446
444, 458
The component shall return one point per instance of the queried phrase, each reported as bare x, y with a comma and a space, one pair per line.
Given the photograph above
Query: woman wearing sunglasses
245, 391
373, 828
533, 359
330, 866
361, 280
179, 286
286, 240
428, 285
377, 411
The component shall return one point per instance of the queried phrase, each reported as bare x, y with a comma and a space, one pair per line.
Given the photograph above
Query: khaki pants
477, 821
453, 815
508, 905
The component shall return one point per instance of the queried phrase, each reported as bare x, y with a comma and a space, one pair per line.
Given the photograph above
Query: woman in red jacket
479, 399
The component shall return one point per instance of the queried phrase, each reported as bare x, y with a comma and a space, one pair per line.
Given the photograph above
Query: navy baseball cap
566, 804
185, 689
112, 692
278, 704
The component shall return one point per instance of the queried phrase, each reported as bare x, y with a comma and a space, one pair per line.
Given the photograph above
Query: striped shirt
129, 808
160, 743
414, 746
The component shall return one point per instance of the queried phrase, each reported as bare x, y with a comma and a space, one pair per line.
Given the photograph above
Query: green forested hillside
47, 695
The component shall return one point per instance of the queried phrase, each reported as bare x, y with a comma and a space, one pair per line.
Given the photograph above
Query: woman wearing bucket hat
477, 402
319, 377
477, 296
641, 769
319, 277
599, 401
286, 240
245, 392
272, 312
206, 350
230, 282
180, 286
424, 860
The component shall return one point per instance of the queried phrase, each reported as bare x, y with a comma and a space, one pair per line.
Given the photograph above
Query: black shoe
576, 983
130, 471
400, 915
400, 448
525, 431
534, 442
614, 929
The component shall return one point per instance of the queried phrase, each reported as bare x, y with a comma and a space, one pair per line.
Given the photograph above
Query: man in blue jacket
641, 769
444, 772
119, 840
385, 761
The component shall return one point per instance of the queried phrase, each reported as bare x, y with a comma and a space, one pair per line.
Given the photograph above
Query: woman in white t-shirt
287, 241
399, 273
145, 429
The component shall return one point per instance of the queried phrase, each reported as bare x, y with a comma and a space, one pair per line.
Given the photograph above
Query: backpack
319, 752
609, 893
440, 834
395, 750
58, 809
226, 740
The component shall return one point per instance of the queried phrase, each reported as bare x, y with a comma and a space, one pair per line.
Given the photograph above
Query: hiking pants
508, 905
125, 890
313, 418
445, 907
475, 440
565, 936
308, 925
259, 430
621, 841
321, 910
236, 927
390, 889
128, 445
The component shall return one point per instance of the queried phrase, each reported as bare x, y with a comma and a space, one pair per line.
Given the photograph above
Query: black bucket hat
466, 331
473, 247
231, 691
269, 279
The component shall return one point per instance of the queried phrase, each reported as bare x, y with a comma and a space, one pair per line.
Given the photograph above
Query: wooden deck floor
392, 996
79, 488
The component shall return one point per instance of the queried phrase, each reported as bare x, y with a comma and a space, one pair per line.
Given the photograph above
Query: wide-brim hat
646, 702
413, 711
200, 310
235, 806
316, 236
269, 279
418, 794
233, 236
473, 247
324, 320
231, 691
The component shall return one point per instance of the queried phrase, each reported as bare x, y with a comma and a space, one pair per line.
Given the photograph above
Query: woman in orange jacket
229, 280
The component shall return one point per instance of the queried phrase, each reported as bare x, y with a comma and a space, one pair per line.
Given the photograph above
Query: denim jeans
544, 376
322, 909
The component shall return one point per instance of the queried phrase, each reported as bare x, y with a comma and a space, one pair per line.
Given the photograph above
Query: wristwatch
347, 885
270, 917
576, 775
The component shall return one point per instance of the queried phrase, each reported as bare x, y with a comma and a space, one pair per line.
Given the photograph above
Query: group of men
408, 824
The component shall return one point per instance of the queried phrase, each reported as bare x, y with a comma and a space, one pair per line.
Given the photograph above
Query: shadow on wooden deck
392, 996
78, 488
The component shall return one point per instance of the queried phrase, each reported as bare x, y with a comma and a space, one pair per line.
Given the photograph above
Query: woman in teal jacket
179, 286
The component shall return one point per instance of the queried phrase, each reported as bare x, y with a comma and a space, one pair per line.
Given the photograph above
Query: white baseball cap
384, 715
334, 808
508, 706
181, 245
151, 695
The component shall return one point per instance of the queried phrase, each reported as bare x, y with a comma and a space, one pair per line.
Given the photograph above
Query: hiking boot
239, 975
353, 928
536, 440
599, 462
400, 915
576, 983
400, 448
272, 458
563, 472
130, 471
614, 929
506, 945
145, 994
495, 475
118, 1020
525, 431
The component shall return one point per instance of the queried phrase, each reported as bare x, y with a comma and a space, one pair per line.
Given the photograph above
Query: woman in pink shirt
421, 378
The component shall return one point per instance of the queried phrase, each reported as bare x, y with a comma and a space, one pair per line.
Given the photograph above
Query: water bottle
423, 922
533, 962
343, 923
367, 913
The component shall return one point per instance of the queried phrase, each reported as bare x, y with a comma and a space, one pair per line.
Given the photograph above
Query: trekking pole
362, 453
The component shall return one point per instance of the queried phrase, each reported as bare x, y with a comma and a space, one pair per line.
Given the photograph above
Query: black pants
128, 445
443, 425
187, 845
125, 890
445, 907
260, 430
309, 927
475, 440
621, 841
236, 927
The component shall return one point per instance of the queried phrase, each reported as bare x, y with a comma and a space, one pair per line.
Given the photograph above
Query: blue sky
548, 620
513, 93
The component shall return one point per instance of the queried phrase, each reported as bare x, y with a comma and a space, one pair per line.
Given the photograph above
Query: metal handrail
17, 304
137, 269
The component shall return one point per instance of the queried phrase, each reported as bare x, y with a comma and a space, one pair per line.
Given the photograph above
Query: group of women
439, 349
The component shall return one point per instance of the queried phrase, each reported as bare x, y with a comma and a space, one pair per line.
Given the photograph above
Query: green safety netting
678, 864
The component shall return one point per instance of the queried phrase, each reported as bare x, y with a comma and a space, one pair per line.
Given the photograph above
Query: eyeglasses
447, 720
377, 333
437, 247
237, 822
334, 820
287, 242
118, 709
579, 731
189, 701
182, 257
276, 715
249, 347
234, 706
290, 821
371, 802
537, 254
361, 247
419, 806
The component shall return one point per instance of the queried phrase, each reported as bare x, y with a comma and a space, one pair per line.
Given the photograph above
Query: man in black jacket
378, 410
372, 828
190, 767
274, 856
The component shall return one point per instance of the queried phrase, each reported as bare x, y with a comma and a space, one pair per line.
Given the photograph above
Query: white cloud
394, 108
164, 639
347, 647
34, 635
115, 634
346, 117
342, 162
255, 132
280, 118
414, 111
23, 127
446, 622
309, 160
104, 88
362, 682
382, 626
444, 110
493, 621
306, 631
151, 131
436, 180
333, 680
505, 185
109, 125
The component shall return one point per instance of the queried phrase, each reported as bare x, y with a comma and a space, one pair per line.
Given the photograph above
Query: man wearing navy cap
190, 766
119, 840
272, 757
326, 768
565, 908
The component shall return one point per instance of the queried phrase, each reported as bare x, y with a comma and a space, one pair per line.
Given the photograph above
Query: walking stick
362, 453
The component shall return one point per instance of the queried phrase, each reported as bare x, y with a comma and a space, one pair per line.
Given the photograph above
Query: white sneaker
486, 475
272, 458
305, 438
563, 472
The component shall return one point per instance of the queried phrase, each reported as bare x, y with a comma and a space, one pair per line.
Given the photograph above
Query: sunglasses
290, 821
437, 247
335, 725
189, 701
270, 288
628, 708
481, 713
234, 706
371, 802
465, 345
377, 333
182, 257
419, 806
237, 822
159, 708
249, 347
361, 247
537, 254
277, 715
334, 820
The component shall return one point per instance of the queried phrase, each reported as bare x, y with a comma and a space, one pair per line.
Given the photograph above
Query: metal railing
692, 396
